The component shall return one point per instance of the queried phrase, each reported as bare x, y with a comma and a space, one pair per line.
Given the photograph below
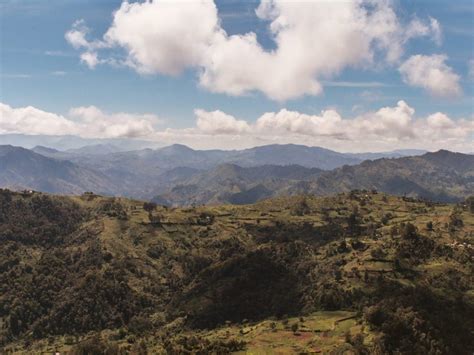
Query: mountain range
179, 175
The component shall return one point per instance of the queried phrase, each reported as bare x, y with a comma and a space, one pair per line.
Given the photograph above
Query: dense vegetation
362, 272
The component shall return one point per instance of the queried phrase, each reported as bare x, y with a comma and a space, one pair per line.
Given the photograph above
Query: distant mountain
285, 154
149, 162
179, 175
230, 183
46, 151
442, 176
95, 149
24, 169
66, 142
391, 154
141, 173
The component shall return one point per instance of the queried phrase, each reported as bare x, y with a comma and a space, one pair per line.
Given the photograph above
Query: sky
360, 75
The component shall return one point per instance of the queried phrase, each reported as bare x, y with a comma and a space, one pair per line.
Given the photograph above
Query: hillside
442, 176
24, 169
361, 272
229, 183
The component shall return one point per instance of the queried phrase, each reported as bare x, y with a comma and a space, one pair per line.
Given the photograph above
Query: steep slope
441, 176
354, 273
23, 169
230, 183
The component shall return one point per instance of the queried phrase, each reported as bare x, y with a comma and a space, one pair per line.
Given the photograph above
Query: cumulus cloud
30, 120
431, 73
387, 128
314, 40
218, 122
88, 122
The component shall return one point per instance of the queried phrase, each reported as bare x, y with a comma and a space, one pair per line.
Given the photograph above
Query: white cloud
30, 120
77, 35
87, 122
218, 122
77, 38
90, 58
94, 121
314, 41
417, 28
431, 73
164, 36
384, 129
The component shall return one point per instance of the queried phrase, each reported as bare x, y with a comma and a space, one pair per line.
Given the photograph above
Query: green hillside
360, 272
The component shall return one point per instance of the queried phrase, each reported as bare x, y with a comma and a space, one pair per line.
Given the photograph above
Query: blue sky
40, 68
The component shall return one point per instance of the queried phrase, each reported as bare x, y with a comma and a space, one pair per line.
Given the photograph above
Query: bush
409, 231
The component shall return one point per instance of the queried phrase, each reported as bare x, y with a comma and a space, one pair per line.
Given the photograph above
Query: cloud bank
384, 129
87, 122
314, 41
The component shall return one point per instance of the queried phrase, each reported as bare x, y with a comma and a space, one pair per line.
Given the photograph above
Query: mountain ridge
179, 175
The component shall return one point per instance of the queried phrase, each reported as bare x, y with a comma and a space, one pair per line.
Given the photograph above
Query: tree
470, 203
409, 231
294, 327
150, 207
429, 226
301, 208
353, 223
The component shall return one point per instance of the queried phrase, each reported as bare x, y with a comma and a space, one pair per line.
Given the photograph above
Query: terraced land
361, 272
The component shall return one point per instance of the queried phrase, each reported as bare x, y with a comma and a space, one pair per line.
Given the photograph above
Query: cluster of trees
419, 321
37, 219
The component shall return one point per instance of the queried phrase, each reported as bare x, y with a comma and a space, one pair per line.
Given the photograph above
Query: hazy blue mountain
180, 175
96, 149
230, 183
24, 169
66, 142
46, 151
156, 161
285, 154
399, 153
149, 163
